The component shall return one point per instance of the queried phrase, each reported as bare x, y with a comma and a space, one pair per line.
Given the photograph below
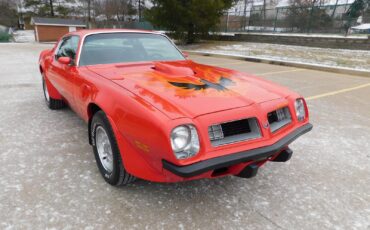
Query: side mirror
186, 55
65, 60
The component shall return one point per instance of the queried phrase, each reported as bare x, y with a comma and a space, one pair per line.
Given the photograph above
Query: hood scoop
173, 69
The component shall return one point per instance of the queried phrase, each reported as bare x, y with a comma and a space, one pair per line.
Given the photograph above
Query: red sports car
154, 114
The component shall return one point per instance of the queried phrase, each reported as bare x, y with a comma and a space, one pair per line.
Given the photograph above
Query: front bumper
236, 158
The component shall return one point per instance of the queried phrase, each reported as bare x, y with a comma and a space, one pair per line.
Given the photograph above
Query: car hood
188, 89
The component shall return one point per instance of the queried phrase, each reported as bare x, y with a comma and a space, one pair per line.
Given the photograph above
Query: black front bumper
236, 158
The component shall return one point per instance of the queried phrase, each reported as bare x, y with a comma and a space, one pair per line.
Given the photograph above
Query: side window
68, 47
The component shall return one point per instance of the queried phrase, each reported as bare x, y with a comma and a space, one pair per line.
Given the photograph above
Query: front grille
236, 127
279, 118
234, 131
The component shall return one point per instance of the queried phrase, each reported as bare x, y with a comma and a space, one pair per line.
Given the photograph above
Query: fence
290, 19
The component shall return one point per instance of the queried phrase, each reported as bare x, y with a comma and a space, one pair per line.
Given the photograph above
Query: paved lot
48, 176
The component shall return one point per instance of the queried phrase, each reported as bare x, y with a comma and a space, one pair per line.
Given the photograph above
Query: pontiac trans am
156, 115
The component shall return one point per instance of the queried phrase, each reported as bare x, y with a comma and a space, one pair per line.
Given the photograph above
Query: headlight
184, 141
300, 109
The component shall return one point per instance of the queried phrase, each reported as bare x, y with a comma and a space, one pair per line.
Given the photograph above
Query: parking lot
49, 179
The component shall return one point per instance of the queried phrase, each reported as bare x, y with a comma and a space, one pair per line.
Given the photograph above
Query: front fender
42, 58
140, 129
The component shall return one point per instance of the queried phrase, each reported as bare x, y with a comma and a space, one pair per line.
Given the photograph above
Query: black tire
52, 103
118, 175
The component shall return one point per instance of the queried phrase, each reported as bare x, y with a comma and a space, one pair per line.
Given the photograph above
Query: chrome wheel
104, 149
46, 92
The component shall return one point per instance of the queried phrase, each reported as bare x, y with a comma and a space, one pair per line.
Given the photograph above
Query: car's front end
235, 142
205, 132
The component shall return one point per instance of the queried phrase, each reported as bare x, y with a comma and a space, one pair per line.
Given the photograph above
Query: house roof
57, 22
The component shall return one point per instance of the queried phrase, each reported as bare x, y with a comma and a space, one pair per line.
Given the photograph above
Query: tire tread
56, 104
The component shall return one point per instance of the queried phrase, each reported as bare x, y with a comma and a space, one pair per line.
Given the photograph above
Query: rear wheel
107, 155
53, 104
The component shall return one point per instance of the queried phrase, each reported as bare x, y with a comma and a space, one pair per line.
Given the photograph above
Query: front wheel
53, 104
107, 155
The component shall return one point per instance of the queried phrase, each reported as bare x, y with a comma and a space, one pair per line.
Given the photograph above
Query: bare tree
335, 8
307, 14
8, 13
264, 12
139, 6
89, 13
246, 2
51, 8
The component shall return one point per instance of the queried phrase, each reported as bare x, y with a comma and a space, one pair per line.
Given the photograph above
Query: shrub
4, 37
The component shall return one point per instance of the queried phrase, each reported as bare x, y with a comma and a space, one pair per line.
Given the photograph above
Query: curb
339, 70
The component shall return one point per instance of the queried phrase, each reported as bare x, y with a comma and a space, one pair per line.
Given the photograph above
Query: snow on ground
49, 178
24, 36
354, 59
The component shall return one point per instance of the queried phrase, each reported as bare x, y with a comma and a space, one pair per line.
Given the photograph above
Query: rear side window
68, 47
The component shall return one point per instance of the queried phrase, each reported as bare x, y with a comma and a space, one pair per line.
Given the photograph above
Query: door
62, 76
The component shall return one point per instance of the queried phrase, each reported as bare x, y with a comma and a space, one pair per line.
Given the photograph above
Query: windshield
127, 47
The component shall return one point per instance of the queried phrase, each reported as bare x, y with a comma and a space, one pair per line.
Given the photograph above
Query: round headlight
300, 109
184, 141
180, 138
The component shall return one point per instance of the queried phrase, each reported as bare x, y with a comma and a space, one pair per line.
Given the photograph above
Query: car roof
85, 32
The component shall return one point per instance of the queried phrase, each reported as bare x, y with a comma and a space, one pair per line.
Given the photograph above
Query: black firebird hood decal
219, 86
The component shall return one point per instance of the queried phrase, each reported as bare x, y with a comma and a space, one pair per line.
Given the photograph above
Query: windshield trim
114, 32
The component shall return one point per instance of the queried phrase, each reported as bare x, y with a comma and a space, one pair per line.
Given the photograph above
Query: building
51, 29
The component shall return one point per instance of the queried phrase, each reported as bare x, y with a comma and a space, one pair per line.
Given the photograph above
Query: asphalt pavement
49, 178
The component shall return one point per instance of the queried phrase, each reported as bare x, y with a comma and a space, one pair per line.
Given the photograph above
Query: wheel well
91, 110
